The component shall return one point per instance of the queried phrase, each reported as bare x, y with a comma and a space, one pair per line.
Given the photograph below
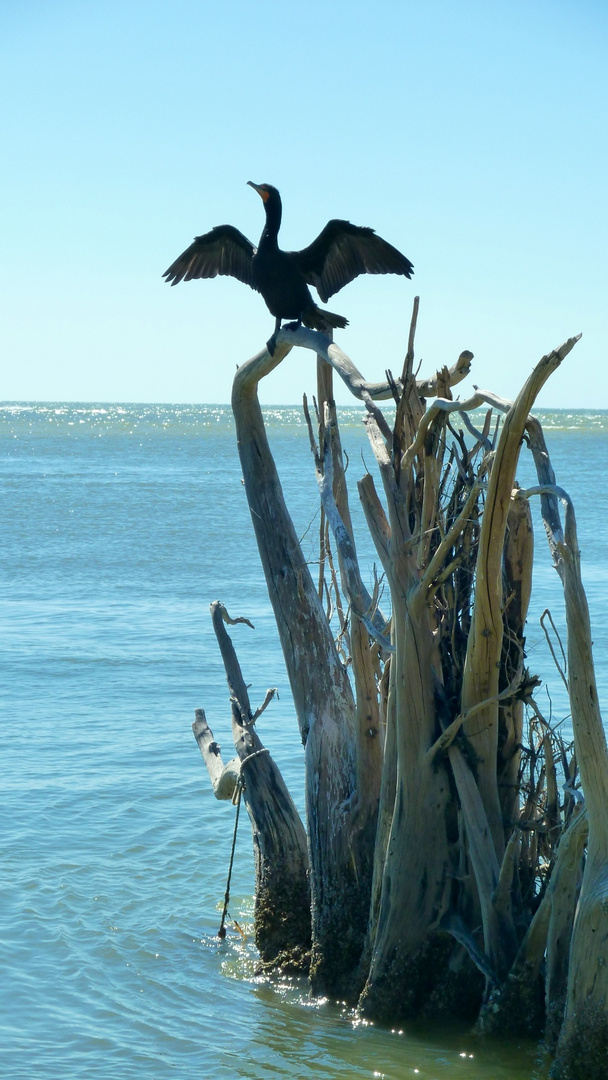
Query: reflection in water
292, 1034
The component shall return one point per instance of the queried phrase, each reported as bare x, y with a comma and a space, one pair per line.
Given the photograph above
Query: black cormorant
340, 253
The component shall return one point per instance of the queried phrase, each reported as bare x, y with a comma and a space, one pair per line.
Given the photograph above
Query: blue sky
472, 135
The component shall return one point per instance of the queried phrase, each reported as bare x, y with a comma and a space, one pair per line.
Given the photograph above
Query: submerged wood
282, 891
583, 1043
438, 878
405, 939
321, 689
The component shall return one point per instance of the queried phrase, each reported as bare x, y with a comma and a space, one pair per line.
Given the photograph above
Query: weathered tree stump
282, 891
445, 867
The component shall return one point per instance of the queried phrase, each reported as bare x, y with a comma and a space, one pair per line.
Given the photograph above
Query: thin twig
447, 737
555, 660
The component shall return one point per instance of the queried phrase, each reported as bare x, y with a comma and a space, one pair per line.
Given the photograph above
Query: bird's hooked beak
261, 190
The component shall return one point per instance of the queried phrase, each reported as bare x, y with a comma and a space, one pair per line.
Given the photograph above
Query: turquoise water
120, 523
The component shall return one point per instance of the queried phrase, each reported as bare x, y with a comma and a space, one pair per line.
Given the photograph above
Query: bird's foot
271, 344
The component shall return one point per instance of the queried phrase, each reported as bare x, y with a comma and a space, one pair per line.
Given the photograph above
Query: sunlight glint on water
120, 524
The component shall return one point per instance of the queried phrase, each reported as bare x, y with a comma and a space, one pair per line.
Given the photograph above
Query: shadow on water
292, 1034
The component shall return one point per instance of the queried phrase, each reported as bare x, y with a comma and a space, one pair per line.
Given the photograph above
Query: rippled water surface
120, 523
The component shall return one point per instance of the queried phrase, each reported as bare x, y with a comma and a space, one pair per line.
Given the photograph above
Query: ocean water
120, 523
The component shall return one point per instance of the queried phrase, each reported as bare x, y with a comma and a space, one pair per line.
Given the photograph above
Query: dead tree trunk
583, 1045
482, 667
436, 866
323, 696
321, 690
517, 560
282, 892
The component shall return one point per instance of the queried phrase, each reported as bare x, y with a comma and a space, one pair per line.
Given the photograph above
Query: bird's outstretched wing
224, 250
343, 251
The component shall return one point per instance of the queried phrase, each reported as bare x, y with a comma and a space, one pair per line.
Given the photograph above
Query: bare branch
224, 778
270, 694
460, 370
482, 438
549, 503
233, 622
484, 644
482, 397
359, 598
342, 364
450, 538
408, 365
447, 737
552, 650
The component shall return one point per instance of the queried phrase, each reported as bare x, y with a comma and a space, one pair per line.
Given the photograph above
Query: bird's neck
273, 220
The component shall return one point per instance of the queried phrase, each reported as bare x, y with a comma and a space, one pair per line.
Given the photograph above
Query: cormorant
340, 253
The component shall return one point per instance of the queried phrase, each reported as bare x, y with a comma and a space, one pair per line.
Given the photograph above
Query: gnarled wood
289, 336
282, 892
468, 882
322, 693
481, 675
586, 1017
563, 893
223, 777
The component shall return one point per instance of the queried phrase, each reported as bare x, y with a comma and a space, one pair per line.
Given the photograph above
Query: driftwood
445, 867
583, 1045
282, 893
224, 777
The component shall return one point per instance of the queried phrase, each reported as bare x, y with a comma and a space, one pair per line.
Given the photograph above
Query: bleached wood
322, 692
588, 970
349, 373
366, 622
357, 594
282, 894
563, 892
481, 674
416, 873
223, 777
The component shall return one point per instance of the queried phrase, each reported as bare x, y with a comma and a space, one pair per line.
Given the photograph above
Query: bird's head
265, 191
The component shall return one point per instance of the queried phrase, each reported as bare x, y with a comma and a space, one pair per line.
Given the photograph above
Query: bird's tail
319, 319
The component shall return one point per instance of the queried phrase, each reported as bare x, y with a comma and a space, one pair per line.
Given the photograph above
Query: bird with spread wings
340, 253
